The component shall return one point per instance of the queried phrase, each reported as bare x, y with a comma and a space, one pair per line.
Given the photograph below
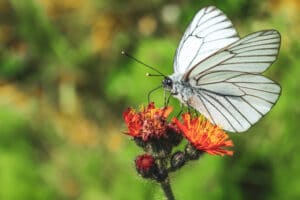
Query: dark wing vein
252, 106
200, 98
228, 111
226, 97
217, 109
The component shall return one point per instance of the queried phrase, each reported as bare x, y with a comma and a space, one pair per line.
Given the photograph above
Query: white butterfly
219, 74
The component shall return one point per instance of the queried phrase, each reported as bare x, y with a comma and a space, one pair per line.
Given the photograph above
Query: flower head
204, 136
149, 122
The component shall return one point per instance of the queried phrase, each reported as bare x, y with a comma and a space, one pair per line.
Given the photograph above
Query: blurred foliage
64, 85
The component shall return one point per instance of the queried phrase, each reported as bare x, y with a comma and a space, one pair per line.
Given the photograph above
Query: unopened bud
191, 152
177, 160
145, 165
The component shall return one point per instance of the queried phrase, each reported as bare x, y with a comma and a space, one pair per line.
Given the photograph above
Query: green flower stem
165, 185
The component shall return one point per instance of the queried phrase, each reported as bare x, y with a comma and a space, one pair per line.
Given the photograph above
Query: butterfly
220, 74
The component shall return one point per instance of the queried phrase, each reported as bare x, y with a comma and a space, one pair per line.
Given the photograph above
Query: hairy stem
165, 185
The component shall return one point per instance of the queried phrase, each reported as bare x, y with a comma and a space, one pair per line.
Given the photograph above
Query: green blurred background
64, 85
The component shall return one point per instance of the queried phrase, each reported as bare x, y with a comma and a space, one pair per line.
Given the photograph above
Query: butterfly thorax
178, 87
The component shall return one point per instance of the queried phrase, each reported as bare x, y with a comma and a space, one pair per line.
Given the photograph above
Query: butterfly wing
209, 31
230, 89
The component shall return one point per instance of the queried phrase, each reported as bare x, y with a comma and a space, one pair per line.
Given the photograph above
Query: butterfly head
167, 83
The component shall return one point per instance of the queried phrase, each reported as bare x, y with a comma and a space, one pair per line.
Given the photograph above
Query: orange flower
204, 136
149, 122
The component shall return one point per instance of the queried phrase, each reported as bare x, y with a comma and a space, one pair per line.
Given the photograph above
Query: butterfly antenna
148, 74
135, 59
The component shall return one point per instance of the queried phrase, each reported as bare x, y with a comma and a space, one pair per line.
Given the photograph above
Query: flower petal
204, 135
149, 122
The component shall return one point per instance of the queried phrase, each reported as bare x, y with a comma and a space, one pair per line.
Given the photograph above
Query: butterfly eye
167, 83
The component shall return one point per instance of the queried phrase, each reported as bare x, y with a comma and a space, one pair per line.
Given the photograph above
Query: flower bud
177, 160
145, 165
191, 152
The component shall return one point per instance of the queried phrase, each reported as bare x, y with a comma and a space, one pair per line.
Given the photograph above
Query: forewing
252, 54
209, 31
230, 90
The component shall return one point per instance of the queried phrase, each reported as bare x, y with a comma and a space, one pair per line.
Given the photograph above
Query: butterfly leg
167, 100
181, 110
151, 91
189, 108
192, 110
